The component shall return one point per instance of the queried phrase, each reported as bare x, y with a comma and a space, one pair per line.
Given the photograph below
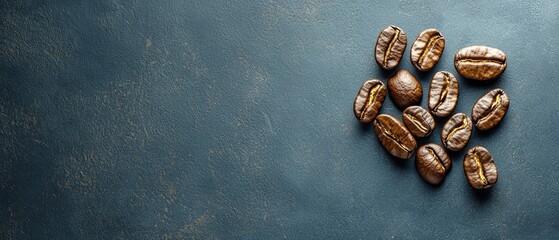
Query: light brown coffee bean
443, 94
418, 121
480, 62
432, 163
427, 49
369, 100
404, 89
490, 109
480, 168
394, 136
456, 132
390, 46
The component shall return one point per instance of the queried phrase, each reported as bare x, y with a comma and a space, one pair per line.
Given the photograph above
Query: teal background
233, 119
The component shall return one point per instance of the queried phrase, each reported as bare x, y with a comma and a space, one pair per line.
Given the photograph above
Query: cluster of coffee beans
398, 137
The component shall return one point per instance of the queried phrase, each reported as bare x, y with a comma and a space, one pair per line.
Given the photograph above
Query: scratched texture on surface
233, 119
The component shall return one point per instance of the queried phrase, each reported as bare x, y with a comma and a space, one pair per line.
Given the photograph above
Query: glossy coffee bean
443, 94
418, 121
480, 168
432, 163
391, 43
490, 109
369, 100
456, 132
480, 62
427, 49
404, 89
394, 136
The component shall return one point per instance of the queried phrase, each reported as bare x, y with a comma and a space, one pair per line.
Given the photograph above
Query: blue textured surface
233, 119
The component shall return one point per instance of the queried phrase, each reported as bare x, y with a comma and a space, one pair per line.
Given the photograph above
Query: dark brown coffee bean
490, 109
443, 94
391, 43
480, 62
432, 163
427, 49
480, 168
404, 89
456, 132
394, 136
419, 121
369, 100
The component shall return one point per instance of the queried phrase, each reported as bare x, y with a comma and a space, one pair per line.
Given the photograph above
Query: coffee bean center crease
391, 136
389, 48
445, 90
495, 103
497, 61
463, 126
436, 157
370, 99
418, 123
480, 169
429, 46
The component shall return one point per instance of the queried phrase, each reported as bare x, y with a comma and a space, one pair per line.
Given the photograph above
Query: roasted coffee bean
443, 94
480, 62
427, 49
432, 163
490, 109
369, 100
391, 43
480, 168
418, 121
394, 136
404, 89
456, 132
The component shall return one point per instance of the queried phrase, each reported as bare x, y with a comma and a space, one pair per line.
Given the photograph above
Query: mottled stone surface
232, 119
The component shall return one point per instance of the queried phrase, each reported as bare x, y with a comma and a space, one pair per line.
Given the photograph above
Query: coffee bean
427, 49
369, 100
443, 94
490, 109
480, 168
480, 62
418, 121
456, 132
394, 136
404, 89
391, 43
432, 163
